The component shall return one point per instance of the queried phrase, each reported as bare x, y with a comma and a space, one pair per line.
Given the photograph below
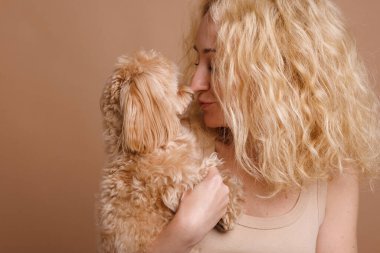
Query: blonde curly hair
304, 106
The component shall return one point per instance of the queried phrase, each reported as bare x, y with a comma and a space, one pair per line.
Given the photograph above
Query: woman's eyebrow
205, 50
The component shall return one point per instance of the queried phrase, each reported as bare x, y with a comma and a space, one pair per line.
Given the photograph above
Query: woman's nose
201, 79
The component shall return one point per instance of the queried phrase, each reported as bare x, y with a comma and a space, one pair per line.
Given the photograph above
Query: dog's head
141, 102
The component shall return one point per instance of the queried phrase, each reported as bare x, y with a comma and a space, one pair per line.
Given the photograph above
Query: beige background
54, 58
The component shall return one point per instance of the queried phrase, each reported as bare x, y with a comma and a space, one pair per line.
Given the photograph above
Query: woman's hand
201, 208
199, 211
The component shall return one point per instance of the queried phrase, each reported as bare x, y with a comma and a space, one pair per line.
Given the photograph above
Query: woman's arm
337, 233
171, 239
199, 211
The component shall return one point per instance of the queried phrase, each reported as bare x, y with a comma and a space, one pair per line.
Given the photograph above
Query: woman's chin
213, 116
211, 121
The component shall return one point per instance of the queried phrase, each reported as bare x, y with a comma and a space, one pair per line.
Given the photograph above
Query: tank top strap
321, 200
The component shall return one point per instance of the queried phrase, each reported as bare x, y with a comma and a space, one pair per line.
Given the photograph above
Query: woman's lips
205, 105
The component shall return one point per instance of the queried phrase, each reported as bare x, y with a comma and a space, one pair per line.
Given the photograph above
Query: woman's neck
227, 153
253, 188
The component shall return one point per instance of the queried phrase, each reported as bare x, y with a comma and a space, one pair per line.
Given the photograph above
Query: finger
213, 171
186, 193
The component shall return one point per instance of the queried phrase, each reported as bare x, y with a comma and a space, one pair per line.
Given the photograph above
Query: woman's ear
149, 120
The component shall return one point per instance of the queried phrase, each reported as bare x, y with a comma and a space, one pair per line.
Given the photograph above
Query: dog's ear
112, 118
149, 117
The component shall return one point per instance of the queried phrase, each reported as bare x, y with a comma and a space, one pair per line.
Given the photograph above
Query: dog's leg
171, 197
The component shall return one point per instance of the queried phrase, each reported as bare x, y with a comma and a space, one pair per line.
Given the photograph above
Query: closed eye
206, 52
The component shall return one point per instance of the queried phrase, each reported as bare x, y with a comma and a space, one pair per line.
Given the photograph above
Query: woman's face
201, 83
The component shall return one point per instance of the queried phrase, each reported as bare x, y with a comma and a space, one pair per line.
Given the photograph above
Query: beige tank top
293, 232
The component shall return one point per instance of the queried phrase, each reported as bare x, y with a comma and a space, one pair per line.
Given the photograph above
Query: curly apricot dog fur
153, 157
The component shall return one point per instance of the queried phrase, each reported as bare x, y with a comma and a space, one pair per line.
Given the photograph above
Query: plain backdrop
54, 59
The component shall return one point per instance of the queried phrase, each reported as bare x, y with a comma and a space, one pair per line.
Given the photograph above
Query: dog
153, 155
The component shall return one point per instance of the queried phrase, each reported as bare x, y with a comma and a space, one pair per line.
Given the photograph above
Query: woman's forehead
206, 35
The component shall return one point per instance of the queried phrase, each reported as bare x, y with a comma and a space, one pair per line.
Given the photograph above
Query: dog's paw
228, 221
212, 161
171, 198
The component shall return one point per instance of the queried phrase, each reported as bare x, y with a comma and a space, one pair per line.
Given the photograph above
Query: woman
280, 84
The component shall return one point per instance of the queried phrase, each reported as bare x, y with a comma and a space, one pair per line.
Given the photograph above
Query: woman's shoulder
340, 221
